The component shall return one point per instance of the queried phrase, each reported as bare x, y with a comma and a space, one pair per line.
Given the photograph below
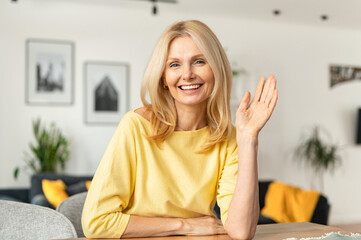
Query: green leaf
16, 172
316, 153
48, 152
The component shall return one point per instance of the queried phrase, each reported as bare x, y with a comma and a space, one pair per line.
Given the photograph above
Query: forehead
183, 45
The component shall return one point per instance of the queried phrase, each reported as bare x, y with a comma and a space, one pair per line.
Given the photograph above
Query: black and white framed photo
106, 91
49, 71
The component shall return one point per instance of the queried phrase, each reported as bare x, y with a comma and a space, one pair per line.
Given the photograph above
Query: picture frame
49, 72
343, 73
106, 91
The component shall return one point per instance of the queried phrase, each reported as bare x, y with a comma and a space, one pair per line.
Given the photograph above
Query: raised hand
250, 118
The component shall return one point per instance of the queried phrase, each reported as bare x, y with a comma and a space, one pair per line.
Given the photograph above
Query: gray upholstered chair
28, 221
72, 208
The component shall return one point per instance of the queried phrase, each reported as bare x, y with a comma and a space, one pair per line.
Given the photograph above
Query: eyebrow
195, 56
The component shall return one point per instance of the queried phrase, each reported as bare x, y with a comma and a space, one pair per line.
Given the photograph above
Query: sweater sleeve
112, 186
228, 179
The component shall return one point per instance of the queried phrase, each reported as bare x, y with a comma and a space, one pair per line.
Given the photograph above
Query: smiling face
188, 75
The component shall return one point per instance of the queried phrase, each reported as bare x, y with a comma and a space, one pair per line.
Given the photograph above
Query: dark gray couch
320, 214
35, 194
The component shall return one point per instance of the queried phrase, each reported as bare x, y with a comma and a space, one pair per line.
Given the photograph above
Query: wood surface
264, 232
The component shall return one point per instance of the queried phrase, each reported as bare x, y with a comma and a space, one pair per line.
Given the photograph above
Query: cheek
210, 78
170, 78
208, 75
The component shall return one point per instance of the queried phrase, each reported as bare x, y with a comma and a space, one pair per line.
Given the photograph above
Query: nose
187, 73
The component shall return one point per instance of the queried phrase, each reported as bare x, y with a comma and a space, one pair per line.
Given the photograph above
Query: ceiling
340, 13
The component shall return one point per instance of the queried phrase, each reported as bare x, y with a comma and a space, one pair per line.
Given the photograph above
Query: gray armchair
72, 208
28, 221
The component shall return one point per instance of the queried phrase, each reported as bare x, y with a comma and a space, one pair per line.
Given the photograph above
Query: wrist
181, 226
247, 137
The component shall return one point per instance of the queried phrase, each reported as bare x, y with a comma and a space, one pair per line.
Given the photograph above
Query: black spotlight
276, 12
358, 137
155, 10
324, 17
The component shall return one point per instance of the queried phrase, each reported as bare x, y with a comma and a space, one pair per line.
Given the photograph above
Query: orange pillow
87, 184
54, 191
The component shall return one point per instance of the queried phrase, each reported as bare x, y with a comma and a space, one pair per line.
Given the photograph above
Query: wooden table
264, 232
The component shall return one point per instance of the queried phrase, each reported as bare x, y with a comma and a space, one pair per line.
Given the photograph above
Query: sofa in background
320, 214
34, 194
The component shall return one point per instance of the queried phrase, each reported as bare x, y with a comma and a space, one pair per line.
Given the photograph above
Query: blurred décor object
343, 73
358, 137
318, 155
48, 153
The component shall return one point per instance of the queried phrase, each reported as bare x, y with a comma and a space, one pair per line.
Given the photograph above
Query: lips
190, 87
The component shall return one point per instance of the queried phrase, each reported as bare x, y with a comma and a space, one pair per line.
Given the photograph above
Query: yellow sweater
136, 177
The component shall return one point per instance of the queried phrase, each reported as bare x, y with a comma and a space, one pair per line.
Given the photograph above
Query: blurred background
297, 41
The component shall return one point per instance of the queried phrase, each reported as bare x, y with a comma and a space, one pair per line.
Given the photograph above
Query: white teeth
190, 87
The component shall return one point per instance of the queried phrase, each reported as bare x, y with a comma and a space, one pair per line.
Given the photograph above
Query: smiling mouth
190, 87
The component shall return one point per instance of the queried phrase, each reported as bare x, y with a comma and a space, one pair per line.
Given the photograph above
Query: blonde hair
164, 116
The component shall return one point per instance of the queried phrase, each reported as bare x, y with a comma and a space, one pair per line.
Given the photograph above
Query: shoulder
130, 120
144, 112
135, 122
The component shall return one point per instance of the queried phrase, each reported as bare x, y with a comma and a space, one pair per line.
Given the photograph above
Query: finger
266, 88
273, 100
219, 222
259, 89
221, 230
245, 101
270, 91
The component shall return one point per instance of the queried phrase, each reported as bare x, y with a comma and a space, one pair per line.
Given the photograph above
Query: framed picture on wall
49, 72
106, 92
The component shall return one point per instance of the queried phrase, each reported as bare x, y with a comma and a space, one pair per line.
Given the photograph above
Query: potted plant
318, 154
48, 153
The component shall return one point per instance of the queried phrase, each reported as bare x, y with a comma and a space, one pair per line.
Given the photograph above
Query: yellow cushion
87, 184
54, 191
285, 203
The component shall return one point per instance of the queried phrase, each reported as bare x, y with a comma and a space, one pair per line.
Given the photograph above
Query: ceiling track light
155, 8
276, 12
155, 4
324, 17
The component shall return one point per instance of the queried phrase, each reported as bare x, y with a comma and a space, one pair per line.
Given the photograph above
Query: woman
171, 160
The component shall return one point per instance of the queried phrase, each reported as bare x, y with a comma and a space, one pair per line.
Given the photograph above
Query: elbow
90, 229
94, 229
104, 226
241, 231
241, 234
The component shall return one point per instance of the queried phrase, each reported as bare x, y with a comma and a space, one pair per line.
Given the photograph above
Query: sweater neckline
191, 132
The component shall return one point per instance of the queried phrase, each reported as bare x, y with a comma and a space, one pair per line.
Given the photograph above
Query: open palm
251, 117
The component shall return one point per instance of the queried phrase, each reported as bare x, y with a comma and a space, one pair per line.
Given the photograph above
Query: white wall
299, 56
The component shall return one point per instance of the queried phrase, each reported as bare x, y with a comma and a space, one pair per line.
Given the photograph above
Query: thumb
245, 101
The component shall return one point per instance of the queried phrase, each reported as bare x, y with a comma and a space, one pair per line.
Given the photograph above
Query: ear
164, 82
165, 86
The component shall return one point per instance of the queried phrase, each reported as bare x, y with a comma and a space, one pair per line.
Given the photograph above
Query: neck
190, 118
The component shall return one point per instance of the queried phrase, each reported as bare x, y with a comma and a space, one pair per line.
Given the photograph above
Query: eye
173, 65
200, 61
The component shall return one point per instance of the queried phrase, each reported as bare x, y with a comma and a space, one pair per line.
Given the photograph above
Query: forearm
157, 227
243, 211
139, 226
